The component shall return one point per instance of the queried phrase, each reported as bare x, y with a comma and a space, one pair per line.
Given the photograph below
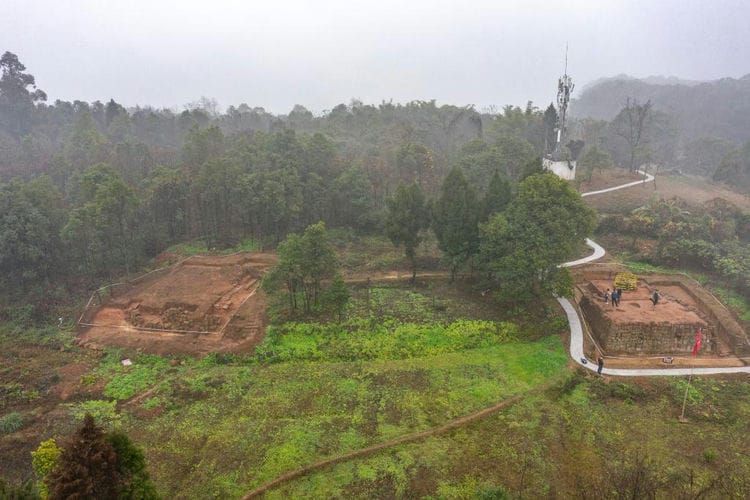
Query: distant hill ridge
719, 108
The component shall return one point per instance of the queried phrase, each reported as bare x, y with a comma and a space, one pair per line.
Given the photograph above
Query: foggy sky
277, 53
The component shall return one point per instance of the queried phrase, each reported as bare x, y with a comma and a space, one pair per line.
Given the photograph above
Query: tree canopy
455, 218
18, 94
543, 227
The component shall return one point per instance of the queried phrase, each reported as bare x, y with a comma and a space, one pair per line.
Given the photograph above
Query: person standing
606, 296
600, 365
655, 297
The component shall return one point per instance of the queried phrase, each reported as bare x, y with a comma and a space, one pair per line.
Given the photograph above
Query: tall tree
202, 145
84, 145
413, 161
549, 126
87, 467
218, 194
135, 482
455, 216
352, 201
304, 262
595, 158
407, 217
497, 197
541, 229
166, 208
630, 124
288, 272
30, 218
319, 262
18, 95
101, 232
337, 295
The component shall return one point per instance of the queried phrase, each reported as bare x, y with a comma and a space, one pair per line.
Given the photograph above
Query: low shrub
626, 281
11, 423
366, 339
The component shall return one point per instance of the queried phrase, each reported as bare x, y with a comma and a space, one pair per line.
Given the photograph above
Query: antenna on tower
564, 89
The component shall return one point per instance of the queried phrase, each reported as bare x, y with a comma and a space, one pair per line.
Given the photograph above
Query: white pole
684, 399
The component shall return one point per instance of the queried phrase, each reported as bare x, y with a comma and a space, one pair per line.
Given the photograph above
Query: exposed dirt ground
675, 305
200, 305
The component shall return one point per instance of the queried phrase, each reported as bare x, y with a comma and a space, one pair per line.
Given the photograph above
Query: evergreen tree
337, 295
549, 124
522, 249
131, 464
304, 262
16, 100
456, 216
407, 217
87, 467
318, 262
497, 197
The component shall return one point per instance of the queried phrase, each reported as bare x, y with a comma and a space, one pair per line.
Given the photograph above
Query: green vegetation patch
127, 381
363, 339
734, 301
11, 423
199, 247
586, 441
260, 420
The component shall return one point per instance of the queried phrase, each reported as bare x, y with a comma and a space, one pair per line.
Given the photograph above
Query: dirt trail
408, 438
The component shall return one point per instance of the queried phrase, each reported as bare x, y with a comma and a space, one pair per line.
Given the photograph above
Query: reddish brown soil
200, 305
683, 302
675, 305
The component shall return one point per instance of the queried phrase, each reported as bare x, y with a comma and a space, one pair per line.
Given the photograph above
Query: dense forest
706, 125
93, 190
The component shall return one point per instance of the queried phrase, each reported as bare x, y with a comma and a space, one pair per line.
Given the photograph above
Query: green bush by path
365, 339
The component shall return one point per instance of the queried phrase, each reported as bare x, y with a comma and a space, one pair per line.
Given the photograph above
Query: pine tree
456, 217
337, 295
87, 467
407, 217
497, 196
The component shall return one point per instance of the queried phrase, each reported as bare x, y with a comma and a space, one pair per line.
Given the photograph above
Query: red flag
697, 341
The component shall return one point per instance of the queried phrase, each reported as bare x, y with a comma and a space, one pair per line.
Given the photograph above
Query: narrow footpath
576, 330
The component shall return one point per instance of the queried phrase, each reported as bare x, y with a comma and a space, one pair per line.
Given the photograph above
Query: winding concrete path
576, 330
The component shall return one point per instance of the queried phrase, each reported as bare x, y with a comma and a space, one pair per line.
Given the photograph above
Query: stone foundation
656, 338
638, 327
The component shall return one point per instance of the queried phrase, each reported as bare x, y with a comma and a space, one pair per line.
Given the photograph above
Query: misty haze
328, 250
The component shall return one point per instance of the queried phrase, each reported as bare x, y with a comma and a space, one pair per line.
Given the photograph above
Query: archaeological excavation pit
201, 304
637, 327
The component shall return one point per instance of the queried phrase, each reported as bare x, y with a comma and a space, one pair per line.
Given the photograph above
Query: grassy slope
583, 441
229, 428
